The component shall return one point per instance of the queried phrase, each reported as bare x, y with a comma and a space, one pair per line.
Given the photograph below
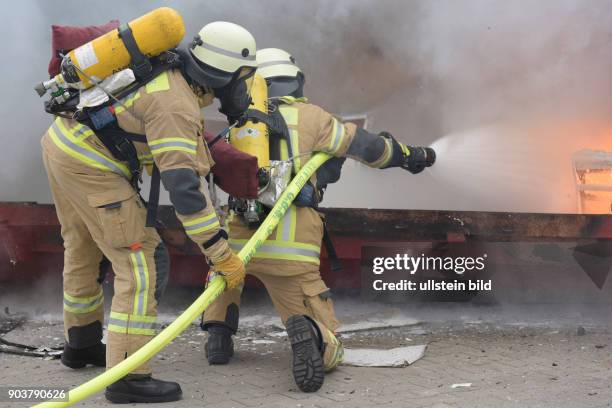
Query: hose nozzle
430, 156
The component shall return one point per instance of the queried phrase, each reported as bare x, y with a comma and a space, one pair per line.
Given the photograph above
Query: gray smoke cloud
507, 89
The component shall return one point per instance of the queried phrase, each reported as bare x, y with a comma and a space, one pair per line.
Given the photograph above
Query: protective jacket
298, 236
167, 112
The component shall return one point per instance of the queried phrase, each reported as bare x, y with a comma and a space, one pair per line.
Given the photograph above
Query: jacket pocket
122, 216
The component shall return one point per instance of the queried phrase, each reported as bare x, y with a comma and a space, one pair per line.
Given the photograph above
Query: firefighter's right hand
232, 268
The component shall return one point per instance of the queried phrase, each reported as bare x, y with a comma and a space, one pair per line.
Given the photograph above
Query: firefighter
288, 262
101, 214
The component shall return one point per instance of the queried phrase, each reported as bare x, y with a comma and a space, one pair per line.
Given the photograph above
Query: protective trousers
301, 294
101, 214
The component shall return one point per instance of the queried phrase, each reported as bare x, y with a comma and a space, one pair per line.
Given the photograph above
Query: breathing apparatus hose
214, 289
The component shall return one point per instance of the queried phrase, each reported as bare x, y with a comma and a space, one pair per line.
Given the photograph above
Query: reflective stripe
286, 227
173, 139
81, 132
338, 355
141, 276
273, 63
132, 324
71, 145
290, 114
337, 136
127, 101
227, 53
284, 151
388, 152
80, 305
160, 83
202, 224
173, 144
135, 318
292, 99
145, 159
290, 251
295, 149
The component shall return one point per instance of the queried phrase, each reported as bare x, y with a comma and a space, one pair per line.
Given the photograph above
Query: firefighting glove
411, 158
232, 268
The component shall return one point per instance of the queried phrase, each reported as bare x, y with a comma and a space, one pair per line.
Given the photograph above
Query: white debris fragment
459, 220
461, 385
263, 341
396, 357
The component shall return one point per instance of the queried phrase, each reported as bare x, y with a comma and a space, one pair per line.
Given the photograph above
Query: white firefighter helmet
222, 50
274, 62
283, 76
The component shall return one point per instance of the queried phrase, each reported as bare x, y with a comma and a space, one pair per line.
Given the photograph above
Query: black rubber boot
142, 388
220, 346
79, 358
308, 369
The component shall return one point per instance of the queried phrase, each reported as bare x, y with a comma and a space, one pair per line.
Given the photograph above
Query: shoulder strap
139, 63
122, 148
277, 127
121, 145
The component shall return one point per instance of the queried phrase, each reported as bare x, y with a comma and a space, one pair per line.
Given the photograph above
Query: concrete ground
545, 359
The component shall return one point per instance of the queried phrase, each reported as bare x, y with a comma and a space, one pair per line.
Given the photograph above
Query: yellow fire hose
214, 289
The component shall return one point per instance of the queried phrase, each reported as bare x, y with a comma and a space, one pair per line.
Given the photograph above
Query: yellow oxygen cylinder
252, 138
154, 33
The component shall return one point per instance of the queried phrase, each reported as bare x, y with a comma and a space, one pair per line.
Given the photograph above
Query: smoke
535, 75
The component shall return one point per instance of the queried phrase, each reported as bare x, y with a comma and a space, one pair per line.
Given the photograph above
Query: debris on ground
263, 341
461, 385
395, 357
8, 323
370, 324
29, 351
454, 355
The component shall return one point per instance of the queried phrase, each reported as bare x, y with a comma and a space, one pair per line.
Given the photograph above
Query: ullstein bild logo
412, 264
